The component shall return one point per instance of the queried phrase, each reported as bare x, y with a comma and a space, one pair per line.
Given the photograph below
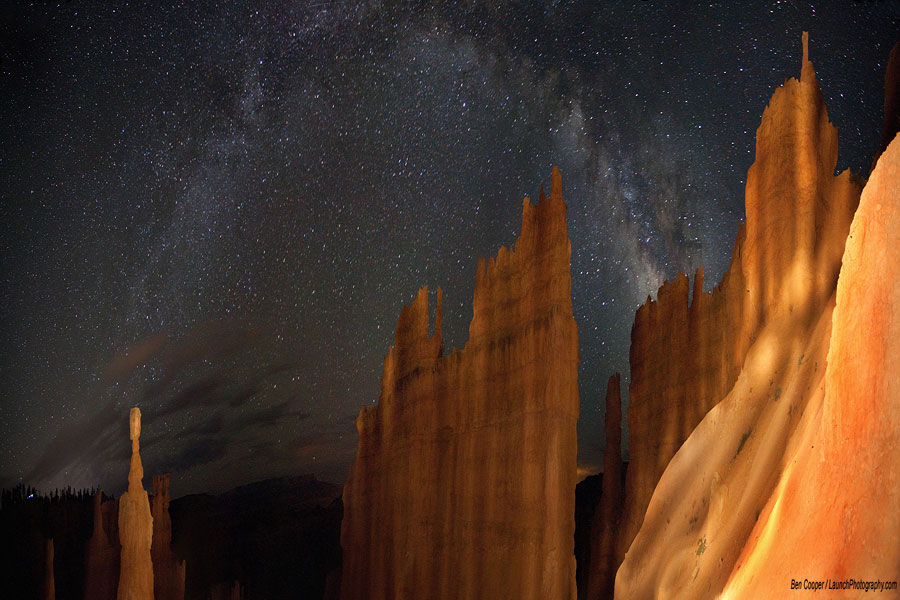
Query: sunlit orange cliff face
792, 476
464, 480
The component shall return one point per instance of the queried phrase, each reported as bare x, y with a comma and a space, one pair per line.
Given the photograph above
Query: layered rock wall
686, 355
464, 481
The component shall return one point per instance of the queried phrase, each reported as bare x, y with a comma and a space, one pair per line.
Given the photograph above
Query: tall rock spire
135, 526
686, 354
824, 502
464, 480
743, 412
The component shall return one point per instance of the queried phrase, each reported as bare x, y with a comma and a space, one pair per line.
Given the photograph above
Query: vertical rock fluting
605, 555
135, 526
101, 573
464, 480
168, 574
838, 500
686, 356
792, 475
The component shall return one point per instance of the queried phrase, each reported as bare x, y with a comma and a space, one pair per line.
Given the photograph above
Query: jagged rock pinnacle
474, 451
135, 526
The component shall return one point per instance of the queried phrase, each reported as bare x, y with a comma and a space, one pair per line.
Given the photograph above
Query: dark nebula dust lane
215, 212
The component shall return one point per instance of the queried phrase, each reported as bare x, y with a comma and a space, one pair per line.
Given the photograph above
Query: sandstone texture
792, 474
688, 347
135, 526
835, 513
168, 574
464, 480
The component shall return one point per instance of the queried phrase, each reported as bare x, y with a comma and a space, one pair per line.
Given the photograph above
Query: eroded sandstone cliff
464, 481
687, 355
775, 481
835, 512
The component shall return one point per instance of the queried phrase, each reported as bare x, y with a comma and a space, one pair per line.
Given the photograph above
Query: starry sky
216, 210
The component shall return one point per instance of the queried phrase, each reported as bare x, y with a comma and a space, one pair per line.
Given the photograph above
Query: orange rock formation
168, 574
605, 555
778, 480
838, 498
101, 574
685, 357
464, 480
135, 526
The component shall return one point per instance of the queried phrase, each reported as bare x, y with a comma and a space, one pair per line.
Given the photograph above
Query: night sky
216, 211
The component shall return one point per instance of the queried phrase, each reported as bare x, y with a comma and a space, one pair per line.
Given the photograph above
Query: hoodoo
135, 526
838, 497
776, 481
464, 480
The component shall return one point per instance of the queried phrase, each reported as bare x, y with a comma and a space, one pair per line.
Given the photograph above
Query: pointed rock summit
825, 502
774, 483
686, 355
464, 480
135, 526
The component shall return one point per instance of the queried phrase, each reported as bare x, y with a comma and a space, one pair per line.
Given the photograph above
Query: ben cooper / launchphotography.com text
843, 584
